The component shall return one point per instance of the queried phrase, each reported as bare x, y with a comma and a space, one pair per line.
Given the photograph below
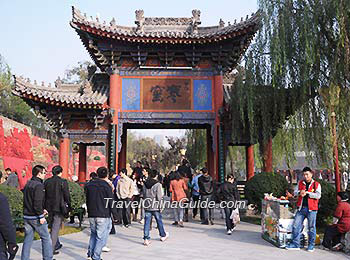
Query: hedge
15, 199
77, 195
327, 204
264, 183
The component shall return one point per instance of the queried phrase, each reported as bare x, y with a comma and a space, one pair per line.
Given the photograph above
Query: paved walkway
195, 241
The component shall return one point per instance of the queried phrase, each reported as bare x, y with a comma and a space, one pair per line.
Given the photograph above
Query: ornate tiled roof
165, 30
84, 96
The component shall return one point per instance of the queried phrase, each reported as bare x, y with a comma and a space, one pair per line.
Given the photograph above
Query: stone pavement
195, 241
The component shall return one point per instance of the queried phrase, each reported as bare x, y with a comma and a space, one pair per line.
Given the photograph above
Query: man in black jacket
8, 244
100, 206
34, 214
206, 190
228, 193
57, 203
184, 168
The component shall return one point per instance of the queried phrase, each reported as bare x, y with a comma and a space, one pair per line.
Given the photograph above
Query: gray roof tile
163, 27
70, 94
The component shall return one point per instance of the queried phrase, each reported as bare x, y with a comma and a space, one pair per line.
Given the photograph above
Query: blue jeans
207, 212
100, 228
148, 218
298, 225
30, 227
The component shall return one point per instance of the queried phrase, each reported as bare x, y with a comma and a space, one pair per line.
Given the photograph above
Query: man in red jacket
341, 223
309, 193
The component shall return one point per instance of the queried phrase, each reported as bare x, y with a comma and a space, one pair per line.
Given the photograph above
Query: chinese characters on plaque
166, 94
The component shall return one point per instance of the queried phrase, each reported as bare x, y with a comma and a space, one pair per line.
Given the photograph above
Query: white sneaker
106, 249
89, 258
146, 242
141, 221
165, 238
229, 232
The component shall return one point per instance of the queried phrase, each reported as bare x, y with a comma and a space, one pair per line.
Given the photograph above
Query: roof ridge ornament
77, 14
221, 23
196, 20
140, 20
58, 82
113, 22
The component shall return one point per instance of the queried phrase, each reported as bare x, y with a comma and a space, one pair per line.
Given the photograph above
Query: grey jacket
152, 195
12, 180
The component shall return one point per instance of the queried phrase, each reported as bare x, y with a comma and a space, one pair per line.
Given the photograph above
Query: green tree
172, 154
144, 149
79, 73
196, 148
12, 106
302, 47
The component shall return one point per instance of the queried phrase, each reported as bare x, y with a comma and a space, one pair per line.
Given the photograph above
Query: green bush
77, 195
327, 204
15, 199
264, 183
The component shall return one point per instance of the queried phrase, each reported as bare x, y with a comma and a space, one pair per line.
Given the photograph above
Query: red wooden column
268, 156
82, 163
114, 103
218, 103
249, 150
64, 155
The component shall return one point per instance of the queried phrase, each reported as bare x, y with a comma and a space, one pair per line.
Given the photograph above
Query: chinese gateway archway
161, 73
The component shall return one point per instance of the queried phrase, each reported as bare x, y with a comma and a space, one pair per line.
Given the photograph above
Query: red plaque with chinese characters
164, 94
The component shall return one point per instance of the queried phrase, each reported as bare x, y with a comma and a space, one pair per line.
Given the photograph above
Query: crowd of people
47, 203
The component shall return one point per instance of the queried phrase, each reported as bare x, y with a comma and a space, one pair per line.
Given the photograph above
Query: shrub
77, 195
327, 204
264, 183
15, 199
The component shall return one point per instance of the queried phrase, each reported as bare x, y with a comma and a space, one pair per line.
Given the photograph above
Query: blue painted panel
202, 95
131, 94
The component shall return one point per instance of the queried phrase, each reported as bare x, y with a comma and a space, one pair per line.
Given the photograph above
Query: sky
37, 41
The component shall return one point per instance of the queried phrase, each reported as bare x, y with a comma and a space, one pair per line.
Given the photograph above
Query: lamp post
335, 151
331, 98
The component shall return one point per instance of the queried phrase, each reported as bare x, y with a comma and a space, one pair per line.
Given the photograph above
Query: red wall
20, 151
